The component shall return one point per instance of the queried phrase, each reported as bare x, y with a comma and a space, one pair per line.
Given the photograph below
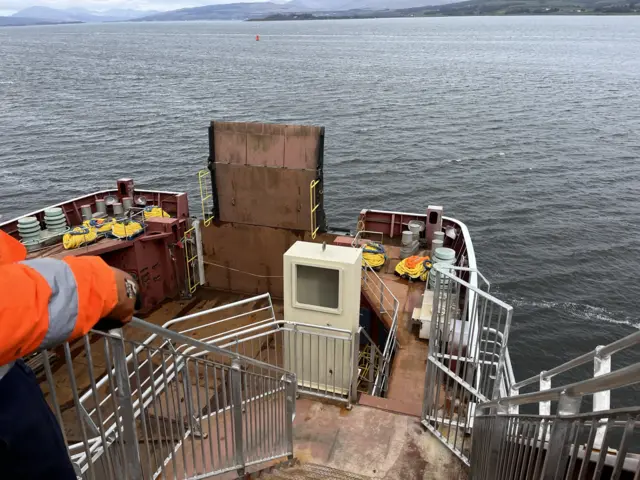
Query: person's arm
45, 302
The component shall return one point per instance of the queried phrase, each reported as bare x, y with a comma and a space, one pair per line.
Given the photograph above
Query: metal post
372, 367
601, 400
355, 351
498, 436
132, 465
290, 394
513, 409
381, 296
199, 251
545, 384
555, 463
235, 376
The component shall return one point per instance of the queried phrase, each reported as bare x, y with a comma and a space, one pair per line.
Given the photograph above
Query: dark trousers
31, 442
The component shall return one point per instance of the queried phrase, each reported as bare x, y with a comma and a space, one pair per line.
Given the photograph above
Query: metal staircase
175, 406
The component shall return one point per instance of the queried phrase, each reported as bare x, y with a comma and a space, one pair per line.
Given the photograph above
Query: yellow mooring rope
126, 229
414, 268
100, 225
79, 236
373, 254
153, 211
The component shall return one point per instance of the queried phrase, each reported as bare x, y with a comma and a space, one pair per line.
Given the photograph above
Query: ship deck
406, 385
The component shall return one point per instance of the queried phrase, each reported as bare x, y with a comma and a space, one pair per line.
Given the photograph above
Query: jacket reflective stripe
63, 302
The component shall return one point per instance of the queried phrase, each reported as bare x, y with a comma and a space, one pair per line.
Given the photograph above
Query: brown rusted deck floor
364, 441
406, 385
370, 442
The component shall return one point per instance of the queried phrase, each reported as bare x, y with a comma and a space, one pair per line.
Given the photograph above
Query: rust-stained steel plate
262, 144
248, 258
274, 197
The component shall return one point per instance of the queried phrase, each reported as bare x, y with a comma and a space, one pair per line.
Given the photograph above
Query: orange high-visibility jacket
44, 302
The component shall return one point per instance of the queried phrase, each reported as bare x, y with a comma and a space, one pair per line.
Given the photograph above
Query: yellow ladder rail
190, 255
314, 208
206, 196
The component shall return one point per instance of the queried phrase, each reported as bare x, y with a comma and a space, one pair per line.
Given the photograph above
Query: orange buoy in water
257, 38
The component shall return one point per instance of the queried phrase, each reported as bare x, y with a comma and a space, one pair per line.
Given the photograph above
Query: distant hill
478, 7
229, 11
79, 14
14, 21
245, 11
525, 7
346, 5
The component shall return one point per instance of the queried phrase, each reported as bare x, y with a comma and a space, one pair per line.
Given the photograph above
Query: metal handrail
623, 377
166, 327
614, 347
355, 242
178, 337
112, 412
390, 345
264, 329
442, 269
389, 294
217, 309
361, 330
559, 437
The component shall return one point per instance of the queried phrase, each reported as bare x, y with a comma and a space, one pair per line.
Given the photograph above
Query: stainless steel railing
467, 358
360, 236
131, 409
562, 444
388, 305
374, 366
601, 356
323, 358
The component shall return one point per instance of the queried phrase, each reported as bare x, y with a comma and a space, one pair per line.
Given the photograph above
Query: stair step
310, 471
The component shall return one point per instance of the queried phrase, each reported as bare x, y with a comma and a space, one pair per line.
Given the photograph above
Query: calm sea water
527, 129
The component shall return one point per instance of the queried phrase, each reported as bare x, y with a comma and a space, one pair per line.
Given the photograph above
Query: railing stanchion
372, 368
545, 384
355, 352
601, 400
236, 400
290, 399
132, 464
555, 462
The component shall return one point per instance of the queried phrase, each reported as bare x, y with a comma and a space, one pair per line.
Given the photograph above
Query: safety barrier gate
467, 361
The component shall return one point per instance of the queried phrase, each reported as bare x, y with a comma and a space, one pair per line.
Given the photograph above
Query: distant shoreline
35, 23
304, 17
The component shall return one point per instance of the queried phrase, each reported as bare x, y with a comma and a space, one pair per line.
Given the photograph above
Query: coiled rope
414, 268
374, 255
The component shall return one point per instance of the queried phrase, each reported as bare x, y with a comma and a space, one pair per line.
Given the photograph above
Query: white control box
321, 288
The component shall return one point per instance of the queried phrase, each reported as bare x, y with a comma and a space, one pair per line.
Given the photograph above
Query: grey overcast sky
11, 6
